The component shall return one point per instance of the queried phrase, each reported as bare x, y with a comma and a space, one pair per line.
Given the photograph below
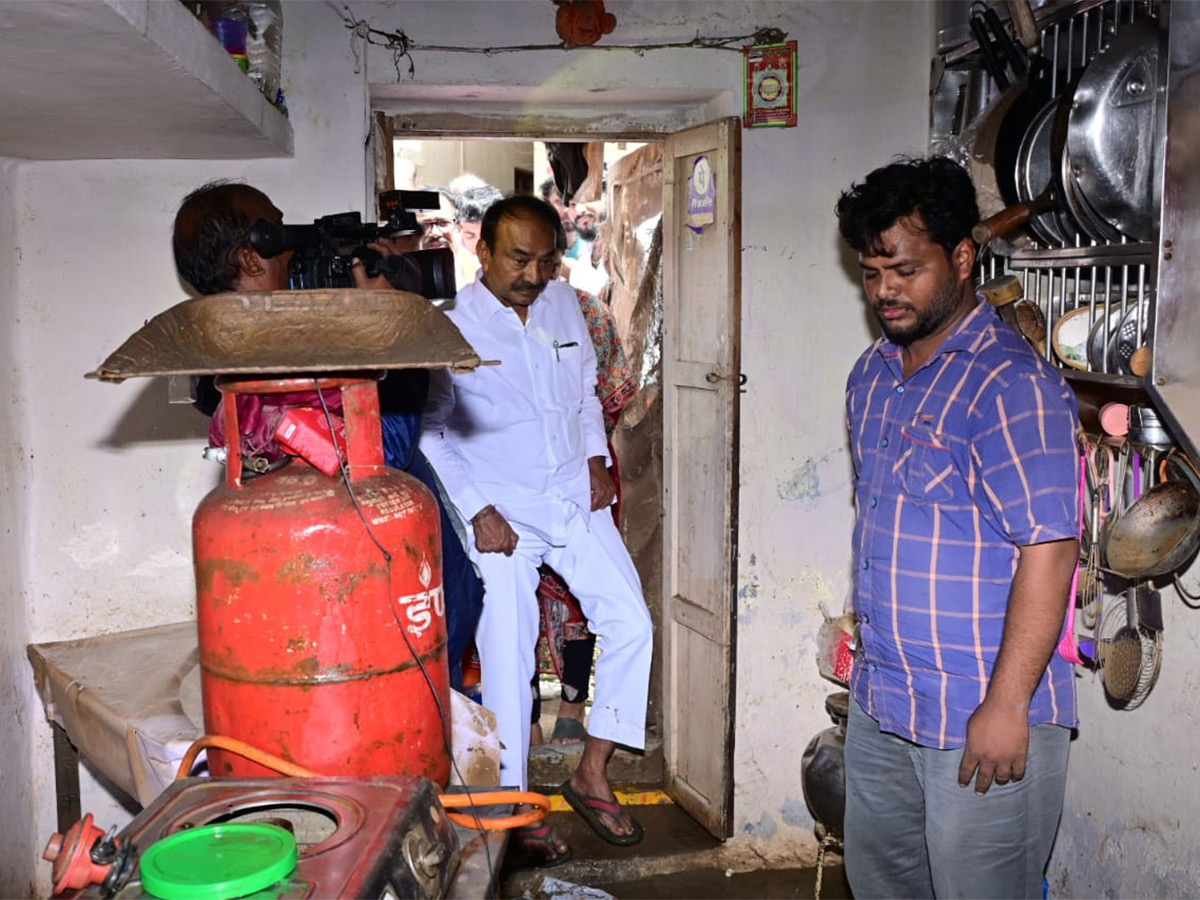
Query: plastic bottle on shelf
230, 24
264, 44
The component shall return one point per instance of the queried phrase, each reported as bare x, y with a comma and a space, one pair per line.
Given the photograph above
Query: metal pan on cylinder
1110, 137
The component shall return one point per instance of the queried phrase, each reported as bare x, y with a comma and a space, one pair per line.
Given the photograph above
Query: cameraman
213, 253
212, 242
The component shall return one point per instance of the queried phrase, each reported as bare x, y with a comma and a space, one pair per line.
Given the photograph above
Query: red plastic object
299, 615
1114, 419
71, 855
581, 23
843, 660
305, 433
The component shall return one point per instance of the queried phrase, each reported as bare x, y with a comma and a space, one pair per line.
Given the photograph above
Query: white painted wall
440, 161
804, 323
99, 481
1133, 792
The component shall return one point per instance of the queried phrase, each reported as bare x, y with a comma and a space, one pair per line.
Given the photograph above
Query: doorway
660, 263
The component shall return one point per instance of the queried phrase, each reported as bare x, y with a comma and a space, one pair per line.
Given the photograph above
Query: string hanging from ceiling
363, 33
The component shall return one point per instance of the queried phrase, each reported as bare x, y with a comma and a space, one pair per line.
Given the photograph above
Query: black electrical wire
387, 556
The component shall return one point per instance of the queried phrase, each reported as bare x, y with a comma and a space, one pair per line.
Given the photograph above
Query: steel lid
1112, 124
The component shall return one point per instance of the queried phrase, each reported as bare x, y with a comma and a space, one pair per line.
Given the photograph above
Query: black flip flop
568, 731
589, 807
540, 836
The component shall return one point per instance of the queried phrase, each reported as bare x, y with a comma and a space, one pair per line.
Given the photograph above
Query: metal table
130, 704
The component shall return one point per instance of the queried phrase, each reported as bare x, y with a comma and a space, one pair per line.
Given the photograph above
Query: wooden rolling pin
1002, 290
1142, 361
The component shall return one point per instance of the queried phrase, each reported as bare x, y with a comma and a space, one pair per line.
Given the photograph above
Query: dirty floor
676, 859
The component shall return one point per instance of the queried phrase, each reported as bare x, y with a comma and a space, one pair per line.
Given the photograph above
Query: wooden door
701, 382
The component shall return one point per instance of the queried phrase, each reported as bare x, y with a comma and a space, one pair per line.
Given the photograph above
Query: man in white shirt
522, 451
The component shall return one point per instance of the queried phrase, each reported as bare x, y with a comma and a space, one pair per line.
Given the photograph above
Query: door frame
589, 122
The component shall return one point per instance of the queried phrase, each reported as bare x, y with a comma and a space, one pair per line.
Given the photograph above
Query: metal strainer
1121, 649
1130, 654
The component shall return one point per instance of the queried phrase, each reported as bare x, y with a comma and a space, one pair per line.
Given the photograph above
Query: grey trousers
912, 831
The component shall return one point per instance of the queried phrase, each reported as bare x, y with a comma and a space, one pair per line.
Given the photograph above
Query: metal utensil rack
1115, 282
1151, 284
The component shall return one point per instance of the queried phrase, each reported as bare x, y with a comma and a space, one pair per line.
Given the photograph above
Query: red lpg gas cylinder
309, 638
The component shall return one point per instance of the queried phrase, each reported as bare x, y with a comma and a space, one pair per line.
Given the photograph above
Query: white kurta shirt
518, 435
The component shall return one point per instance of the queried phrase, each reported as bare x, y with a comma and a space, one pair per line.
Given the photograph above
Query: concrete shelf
126, 79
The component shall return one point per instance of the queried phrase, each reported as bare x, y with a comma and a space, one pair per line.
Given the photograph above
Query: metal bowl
1146, 427
1157, 534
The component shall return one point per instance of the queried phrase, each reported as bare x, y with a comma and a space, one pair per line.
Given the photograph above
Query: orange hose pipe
540, 802
485, 798
241, 748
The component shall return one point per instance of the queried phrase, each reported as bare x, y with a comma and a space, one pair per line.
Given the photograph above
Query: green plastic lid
218, 862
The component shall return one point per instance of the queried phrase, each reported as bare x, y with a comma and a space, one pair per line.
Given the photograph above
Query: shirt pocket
926, 465
567, 374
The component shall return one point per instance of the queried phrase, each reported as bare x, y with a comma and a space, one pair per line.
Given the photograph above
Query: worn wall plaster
18, 797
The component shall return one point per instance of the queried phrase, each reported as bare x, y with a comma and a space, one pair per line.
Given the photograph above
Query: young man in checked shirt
964, 451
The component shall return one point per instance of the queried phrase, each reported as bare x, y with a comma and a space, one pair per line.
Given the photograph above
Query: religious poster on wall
770, 95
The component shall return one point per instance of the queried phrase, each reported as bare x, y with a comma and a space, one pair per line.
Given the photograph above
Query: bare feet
536, 737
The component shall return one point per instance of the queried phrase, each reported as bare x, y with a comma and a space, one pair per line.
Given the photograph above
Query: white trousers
596, 565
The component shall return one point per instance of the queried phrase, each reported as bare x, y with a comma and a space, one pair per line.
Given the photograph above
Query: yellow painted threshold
626, 798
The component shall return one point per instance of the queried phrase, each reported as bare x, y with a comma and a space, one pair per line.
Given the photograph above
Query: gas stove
382, 836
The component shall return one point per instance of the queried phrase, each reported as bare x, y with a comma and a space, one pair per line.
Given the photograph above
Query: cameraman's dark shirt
402, 391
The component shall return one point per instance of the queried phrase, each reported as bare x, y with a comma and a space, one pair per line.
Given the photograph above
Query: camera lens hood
268, 238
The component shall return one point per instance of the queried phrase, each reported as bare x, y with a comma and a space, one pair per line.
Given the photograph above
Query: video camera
322, 252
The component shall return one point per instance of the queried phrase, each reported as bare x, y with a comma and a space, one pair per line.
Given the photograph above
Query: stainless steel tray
279, 332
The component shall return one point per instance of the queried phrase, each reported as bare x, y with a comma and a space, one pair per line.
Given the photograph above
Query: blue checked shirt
957, 467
